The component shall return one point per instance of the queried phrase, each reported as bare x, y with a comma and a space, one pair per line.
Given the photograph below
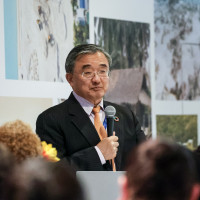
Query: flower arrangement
49, 152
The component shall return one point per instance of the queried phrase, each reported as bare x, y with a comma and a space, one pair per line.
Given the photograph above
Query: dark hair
7, 163
37, 179
82, 50
196, 154
161, 170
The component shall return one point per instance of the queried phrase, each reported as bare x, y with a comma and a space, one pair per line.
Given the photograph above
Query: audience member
20, 140
197, 161
198, 150
6, 165
160, 170
37, 179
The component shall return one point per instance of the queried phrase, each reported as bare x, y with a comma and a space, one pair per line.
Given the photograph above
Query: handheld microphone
110, 112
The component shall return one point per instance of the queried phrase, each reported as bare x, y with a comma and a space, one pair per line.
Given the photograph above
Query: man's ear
195, 194
69, 78
123, 183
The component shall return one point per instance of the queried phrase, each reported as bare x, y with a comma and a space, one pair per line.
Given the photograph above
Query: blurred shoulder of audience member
196, 154
19, 138
6, 165
159, 169
37, 179
197, 150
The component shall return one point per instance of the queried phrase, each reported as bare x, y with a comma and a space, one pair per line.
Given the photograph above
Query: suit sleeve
48, 129
140, 136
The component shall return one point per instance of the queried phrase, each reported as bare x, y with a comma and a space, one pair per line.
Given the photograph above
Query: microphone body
110, 112
110, 126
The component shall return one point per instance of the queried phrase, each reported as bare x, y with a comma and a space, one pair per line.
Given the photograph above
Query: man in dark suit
69, 126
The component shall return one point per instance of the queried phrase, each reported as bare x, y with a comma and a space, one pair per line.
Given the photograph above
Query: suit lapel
81, 120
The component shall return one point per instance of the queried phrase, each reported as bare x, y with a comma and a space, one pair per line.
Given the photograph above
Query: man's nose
96, 78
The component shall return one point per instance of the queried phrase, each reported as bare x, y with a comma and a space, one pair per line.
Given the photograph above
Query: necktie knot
96, 109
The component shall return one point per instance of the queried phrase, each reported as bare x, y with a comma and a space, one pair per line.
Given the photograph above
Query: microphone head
110, 111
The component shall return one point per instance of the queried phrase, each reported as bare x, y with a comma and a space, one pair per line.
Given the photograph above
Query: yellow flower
49, 152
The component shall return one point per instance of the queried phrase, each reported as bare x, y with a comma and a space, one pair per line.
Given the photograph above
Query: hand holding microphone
110, 113
109, 145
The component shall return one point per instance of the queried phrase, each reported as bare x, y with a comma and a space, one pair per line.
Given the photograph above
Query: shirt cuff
103, 161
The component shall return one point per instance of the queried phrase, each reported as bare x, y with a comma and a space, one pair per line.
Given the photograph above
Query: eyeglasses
101, 74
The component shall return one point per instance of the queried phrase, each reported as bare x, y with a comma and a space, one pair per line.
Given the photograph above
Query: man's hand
108, 147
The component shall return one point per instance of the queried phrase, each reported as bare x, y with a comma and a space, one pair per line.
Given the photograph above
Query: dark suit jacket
69, 129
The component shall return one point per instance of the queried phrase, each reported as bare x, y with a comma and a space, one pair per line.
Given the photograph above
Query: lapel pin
116, 118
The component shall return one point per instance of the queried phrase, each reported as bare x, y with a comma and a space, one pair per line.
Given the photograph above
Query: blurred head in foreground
37, 179
158, 170
197, 159
6, 165
21, 141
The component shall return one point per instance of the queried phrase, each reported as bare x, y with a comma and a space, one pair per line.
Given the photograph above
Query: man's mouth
96, 88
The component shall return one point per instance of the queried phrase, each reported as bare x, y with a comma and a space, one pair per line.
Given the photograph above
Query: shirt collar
86, 105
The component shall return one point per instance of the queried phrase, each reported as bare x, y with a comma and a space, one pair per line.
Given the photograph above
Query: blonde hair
19, 138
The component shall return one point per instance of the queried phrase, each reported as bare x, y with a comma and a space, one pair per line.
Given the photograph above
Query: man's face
92, 89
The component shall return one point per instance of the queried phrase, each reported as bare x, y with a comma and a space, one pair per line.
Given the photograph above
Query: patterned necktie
100, 128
